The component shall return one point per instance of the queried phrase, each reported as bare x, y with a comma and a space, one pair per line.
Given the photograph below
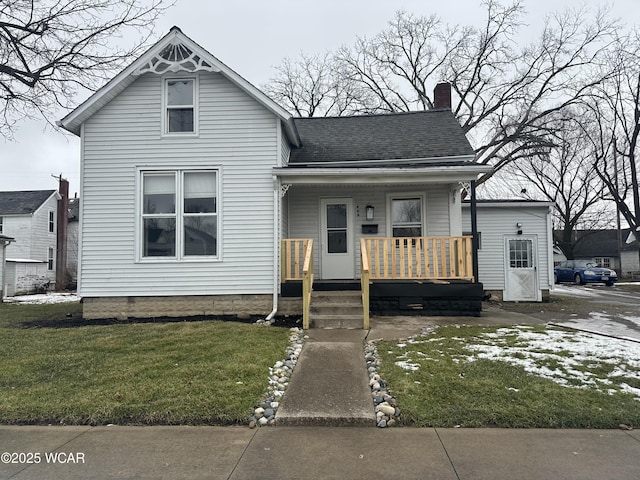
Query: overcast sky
251, 37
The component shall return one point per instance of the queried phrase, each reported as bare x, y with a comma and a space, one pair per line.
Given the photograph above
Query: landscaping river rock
265, 412
385, 406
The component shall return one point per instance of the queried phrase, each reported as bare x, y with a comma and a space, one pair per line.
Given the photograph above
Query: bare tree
505, 94
615, 116
52, 49
566, 176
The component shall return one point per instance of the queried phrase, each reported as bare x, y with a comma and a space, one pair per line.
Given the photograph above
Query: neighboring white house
30, 217
515, 255
200, 195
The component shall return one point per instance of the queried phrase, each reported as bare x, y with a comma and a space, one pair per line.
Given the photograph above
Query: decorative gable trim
154, 61
176, 57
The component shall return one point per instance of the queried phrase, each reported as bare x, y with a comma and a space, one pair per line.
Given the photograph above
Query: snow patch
43, 299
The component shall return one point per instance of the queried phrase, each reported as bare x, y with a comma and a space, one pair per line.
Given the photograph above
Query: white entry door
521, 272
337, 259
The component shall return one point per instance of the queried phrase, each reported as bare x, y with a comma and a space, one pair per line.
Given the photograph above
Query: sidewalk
181, 453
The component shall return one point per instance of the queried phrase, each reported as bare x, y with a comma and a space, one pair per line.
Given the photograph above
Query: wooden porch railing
419, 258
297, 264
365, 273
292, 257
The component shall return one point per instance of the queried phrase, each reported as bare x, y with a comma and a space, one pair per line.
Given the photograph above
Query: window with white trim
179, 214
406, 216
180, 105
603, 262
52, 222
50, 259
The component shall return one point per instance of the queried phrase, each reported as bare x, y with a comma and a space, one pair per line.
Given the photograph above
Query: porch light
519, 226
370, 211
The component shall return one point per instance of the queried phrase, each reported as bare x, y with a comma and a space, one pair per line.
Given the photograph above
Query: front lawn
521, 377
206, 372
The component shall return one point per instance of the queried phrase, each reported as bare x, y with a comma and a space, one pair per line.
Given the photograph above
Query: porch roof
380, 175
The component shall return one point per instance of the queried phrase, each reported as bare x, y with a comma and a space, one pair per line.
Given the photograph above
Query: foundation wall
186, 306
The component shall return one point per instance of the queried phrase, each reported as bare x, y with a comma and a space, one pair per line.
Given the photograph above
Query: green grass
448, 390
207, 372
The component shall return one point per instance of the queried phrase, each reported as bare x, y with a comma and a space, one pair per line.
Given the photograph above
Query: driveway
608, 310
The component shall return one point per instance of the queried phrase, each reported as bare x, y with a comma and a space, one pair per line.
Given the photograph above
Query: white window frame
403, 196
179, 215
51, 259
165, 106
51, 221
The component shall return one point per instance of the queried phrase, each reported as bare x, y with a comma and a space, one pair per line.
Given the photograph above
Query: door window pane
337, 241
521, 253
337, 216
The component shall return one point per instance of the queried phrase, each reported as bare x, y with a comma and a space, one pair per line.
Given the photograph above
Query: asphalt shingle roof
22, 202
397, 136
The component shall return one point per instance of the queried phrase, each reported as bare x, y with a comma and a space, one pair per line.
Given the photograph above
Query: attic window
180, 106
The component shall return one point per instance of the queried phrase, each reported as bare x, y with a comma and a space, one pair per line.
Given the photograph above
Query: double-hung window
180, 214
180, 106
52, 221
406, 216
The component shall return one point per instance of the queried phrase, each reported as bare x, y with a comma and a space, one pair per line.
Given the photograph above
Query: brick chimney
442, 96
63, 224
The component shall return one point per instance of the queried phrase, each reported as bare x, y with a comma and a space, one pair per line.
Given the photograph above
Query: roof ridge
370, 115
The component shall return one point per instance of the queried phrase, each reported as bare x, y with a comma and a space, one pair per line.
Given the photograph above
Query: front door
336, 239
521, 273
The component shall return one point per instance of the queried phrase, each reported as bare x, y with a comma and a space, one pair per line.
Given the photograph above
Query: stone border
265, 411
385, 406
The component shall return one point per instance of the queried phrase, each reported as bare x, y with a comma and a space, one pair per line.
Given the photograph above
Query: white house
200, 195
515, 254
30, 218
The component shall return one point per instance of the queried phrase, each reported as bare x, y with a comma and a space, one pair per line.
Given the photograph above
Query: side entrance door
521, 272
337, 259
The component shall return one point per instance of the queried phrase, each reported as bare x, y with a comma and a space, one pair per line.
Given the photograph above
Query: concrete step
336, 309
341, 298
336, 321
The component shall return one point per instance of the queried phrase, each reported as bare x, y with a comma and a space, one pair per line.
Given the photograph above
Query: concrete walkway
330, 384
238, 453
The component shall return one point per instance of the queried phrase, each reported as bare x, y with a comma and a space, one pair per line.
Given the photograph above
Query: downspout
276, 246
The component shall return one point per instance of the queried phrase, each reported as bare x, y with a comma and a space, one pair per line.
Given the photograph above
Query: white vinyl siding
236, 135
496, 222
32, 236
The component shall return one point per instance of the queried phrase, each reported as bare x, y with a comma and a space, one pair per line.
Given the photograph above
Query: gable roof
147, 61
23, 202
599, 243
406, 138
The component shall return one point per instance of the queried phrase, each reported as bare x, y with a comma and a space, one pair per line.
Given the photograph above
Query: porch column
474, 231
